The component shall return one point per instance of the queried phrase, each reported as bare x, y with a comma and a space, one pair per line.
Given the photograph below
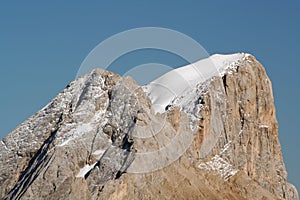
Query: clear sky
42, 45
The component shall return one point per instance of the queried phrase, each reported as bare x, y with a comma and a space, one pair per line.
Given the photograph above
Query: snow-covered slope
178, 81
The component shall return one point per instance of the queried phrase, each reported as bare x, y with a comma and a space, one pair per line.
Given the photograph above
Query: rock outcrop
101, 139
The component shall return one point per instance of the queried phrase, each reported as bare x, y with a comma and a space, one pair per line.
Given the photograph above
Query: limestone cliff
100, 138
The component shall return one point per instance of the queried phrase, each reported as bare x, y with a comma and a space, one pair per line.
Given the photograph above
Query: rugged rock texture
100, 139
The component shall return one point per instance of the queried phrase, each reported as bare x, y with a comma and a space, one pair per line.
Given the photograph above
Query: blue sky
42, 45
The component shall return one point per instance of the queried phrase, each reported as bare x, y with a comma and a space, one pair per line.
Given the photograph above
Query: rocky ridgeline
101, 139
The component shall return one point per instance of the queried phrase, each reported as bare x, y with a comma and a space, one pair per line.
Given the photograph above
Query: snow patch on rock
219, 165
83, 171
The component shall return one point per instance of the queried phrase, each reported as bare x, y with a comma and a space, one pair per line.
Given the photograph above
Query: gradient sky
42, 45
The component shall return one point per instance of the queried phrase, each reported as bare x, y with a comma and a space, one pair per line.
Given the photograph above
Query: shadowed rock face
100, 139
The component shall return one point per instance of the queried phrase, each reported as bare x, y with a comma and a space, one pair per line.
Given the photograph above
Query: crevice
81, 97
101, 189
242, 118
200, 100
38, 162
257, 100
224, 78
4, 143
225, 134
119, 174
70, 107
89, 172
168, 107
283, 192
92, 146
127, 143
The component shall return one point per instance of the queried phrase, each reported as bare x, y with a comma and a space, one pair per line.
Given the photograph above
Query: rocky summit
183, 136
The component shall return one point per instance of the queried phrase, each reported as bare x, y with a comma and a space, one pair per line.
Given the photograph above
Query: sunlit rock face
102, 138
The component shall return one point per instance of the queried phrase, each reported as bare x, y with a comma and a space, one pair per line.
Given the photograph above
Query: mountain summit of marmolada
204, 131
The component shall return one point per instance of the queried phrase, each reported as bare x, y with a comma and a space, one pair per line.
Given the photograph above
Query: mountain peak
204, 131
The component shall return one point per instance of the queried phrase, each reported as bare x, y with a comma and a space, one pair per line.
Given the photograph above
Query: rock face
101, 139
